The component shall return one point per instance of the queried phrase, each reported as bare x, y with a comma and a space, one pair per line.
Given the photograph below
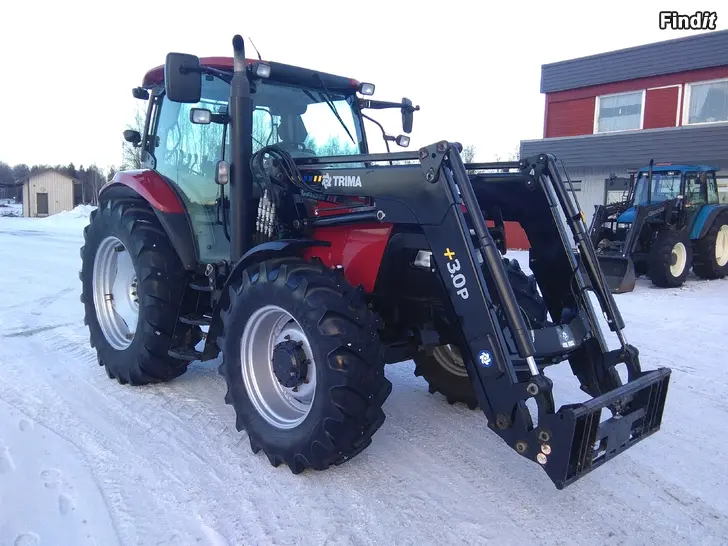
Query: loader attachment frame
438, 195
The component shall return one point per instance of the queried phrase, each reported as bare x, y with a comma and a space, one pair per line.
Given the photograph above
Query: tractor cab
307, 113
688, 185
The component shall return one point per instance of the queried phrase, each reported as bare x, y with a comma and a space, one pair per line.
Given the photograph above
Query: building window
622, 112
707, 102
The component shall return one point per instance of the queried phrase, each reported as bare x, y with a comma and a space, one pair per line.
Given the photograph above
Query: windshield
302, 121
664, 186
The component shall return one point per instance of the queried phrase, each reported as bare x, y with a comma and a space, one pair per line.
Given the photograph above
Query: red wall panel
570, 118
566, 110
661, 107
516, 238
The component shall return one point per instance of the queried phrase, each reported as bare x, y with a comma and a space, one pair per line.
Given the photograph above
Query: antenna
255, 48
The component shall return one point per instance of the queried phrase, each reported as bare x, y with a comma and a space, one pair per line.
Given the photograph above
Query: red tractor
261, 216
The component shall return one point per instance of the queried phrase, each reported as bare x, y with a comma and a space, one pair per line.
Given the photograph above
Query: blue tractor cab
670, 220
668, 182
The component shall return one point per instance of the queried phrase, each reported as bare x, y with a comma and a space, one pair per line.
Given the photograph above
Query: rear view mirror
408, 114
132, 136
182, 78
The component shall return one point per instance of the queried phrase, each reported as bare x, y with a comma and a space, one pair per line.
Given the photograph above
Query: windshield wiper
326, 95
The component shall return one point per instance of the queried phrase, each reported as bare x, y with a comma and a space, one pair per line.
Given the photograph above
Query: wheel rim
448, 356
679, 258
282, 407
115, 293
721, 246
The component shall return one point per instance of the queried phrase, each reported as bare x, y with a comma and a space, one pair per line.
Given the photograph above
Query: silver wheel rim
282, 407
115, 293
448, 356
680, 255
721, 246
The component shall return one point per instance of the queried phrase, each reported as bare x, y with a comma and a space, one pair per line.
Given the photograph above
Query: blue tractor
670, 220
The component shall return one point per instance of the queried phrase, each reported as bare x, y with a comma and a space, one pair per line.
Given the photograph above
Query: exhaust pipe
241, 149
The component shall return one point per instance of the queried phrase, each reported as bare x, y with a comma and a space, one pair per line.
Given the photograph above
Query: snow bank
76, 218
11, 209
70, 222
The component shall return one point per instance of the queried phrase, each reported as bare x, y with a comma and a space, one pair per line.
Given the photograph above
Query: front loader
262, 230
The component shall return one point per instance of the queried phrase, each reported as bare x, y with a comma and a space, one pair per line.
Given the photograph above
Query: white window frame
686, 103
596, 111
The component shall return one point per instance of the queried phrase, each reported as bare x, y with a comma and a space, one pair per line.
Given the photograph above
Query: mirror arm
226, 76
386, 137
378, 104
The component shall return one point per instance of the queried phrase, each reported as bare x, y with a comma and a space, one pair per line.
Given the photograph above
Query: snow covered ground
84, 460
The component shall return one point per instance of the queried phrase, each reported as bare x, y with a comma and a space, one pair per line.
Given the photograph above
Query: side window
186, 153
713, 196
265, 128
695, 190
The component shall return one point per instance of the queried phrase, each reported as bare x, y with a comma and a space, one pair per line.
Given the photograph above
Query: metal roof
705, 50
688, 145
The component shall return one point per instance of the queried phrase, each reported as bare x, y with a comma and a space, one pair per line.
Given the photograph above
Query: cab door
186, 154
696, 196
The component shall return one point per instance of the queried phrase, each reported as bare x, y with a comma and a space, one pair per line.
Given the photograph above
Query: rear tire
133, 285
670, 258
443, 368
711, 252
339, 376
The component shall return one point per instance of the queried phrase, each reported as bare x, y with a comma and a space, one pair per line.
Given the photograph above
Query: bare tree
468, 153
131, 156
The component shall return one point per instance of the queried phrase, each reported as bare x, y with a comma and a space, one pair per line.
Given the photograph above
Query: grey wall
690, 53
706, 144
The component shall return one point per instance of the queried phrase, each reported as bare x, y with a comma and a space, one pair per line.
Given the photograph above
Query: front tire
711, 252
133, 286
311, 394
670, 258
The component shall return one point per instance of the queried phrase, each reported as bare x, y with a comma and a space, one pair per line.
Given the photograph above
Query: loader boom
569, 442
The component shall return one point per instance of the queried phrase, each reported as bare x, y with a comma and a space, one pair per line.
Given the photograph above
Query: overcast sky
473, 67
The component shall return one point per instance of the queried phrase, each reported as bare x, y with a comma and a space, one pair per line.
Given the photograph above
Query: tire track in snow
173, 470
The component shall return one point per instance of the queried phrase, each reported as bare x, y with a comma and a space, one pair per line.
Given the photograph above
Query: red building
608, 114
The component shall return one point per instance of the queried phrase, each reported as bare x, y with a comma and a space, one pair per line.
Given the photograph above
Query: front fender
704, 219
166, 204
263, 251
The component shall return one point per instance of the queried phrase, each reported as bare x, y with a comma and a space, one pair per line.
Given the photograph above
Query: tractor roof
279, 72
679, 167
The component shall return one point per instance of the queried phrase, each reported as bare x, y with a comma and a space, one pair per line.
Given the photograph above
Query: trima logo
700, 20
337, 181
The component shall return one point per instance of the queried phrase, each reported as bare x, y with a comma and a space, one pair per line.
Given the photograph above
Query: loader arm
603, 214
438, 196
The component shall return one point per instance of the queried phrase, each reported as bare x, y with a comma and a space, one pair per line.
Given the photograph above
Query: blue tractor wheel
671, 256
711, 251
